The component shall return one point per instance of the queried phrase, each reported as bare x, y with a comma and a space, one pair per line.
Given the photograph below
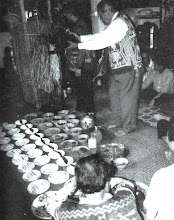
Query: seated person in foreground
98, 199
159, 198
162, 79
165, 130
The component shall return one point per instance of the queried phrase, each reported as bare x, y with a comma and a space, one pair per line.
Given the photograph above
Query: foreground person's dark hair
92, 173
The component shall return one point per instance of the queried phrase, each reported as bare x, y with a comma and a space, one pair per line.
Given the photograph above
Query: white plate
45, 125
58, 177
5, 140
37, 121
7, 147
12, 152
28, 147
22, 142
42, 141
41, 160
51, 131
26, 126
18, 136
38, 186
63, 112
9, 126
49, 168
21, 122
31, 116
36, 136
31, 130
19, 159
48, 114
70, 116
71, 170
2, 134
57, 138
54, 155
13, 131
46, 148
26, 167
61, 162
31, 176
34, 153
57, 117
69, 144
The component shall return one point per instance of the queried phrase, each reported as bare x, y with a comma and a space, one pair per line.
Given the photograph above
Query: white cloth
160, 195
112, 34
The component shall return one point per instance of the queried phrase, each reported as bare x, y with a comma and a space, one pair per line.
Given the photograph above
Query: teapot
87, 121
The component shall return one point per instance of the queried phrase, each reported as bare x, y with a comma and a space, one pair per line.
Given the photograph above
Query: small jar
92, 141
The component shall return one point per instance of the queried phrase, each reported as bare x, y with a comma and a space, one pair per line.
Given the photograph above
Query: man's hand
78, 72
72, 45
74, 34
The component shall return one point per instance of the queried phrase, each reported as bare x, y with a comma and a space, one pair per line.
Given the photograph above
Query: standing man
81, 64
119, 39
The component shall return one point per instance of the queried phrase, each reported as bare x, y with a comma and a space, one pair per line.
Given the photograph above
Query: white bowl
57, 138
63, 112
60, 123
28, 147
2, 134
51, 131
18, 136
36, 136
74, 121
57, 117
42, 141
5, 140
9, 126
62, 163
49, 168
121, 163
21, 122
70, 116
58, 177
82, 138
13, 131
26, 126
22, 142
31, 130
41, 160
75, 131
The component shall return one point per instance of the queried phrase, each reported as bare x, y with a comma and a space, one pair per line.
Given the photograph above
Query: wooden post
24, 23
97, 24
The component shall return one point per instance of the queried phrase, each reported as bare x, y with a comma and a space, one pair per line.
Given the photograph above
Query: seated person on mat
160, 194
165, 130
100, 196
162, 79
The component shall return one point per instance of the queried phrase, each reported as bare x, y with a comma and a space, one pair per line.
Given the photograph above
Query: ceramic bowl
82, 138
121, 163
75, 131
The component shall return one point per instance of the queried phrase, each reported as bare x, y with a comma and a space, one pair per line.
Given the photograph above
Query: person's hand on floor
152, 102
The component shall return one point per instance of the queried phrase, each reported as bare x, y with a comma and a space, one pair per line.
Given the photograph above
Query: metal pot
87, 121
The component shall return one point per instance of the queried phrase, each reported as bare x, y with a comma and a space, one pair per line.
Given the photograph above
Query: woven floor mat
144, 170
146, 114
